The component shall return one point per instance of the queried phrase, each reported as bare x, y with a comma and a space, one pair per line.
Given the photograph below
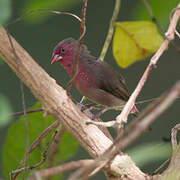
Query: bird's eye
63, 50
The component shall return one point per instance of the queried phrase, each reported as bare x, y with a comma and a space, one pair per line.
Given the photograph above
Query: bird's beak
56, 58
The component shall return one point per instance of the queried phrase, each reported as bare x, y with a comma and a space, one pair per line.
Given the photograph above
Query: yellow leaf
134, 41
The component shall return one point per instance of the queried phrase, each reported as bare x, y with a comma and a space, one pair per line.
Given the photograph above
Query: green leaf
16, 140
15, 144
134, 41
5, 111
5, 9
69, 147
150, 152
160, 9
37, 16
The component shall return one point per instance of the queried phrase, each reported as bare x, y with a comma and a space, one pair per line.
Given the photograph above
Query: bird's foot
87, 106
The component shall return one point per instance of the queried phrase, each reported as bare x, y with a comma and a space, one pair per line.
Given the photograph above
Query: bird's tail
135, 111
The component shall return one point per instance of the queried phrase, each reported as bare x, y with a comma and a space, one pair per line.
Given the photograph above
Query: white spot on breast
83, 76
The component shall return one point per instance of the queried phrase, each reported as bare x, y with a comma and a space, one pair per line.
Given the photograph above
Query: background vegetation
39, 32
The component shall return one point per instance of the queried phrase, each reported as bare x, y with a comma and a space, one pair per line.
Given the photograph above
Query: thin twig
109, 34
60, 169
123, 140
26, 125
96, 170
113, 123
35, 144
84, 171
22, 98
173, 170
111, 29
42, 10
55, 146
82, 33
161, 166
149, 9
41, 109
21, 84
27, 112
170, 36
174, 136
45, 152
154, 109
43, 134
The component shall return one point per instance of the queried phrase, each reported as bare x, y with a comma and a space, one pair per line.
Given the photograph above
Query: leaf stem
111, 29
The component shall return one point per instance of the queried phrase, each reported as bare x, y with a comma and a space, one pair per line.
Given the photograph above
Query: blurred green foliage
161, 9
15, 144
147, 153
37, 16
5, 111
5, 11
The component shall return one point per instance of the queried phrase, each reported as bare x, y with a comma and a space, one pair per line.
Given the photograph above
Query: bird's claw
87, 106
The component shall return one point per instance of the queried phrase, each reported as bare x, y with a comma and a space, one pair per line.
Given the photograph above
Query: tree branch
174, 136
55, 146
135, 129
56, 102
27, 112
169, 36
60, 169
82, 33
173, 170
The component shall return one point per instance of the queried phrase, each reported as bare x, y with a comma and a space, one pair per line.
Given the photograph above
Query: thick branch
56, 102
140, 124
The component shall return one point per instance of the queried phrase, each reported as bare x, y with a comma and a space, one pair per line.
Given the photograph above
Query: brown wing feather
111, 81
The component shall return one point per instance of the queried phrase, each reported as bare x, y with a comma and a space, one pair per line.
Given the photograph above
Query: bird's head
65, 53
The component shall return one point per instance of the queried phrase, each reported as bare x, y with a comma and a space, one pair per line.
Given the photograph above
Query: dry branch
60, 169
169, 37
56, 102
173, 170
174, 132
139, 125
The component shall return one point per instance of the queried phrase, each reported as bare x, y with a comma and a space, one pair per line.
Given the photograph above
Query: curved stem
111, 29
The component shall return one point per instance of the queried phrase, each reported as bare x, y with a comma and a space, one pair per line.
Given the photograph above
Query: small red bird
95, 79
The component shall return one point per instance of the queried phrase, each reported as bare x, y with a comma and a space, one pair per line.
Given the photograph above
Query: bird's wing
111, 81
